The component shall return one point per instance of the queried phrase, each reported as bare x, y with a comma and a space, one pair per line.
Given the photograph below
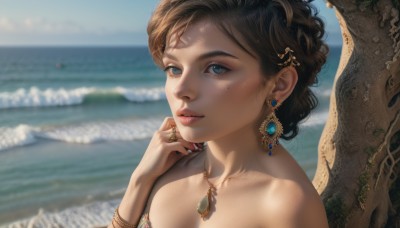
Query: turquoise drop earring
271, 129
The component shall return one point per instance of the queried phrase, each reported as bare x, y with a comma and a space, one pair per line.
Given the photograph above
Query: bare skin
208, 73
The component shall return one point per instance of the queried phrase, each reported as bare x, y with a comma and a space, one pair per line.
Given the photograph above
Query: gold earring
271, 129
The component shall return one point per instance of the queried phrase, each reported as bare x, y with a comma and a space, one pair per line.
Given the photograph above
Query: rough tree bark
358, 164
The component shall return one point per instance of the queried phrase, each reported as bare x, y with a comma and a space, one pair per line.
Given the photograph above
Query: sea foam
18, 136
97, 214
35, 97
86, 133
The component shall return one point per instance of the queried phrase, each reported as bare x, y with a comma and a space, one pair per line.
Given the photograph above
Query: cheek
234, 106
169, 95
236, 101
242, 93
169, 90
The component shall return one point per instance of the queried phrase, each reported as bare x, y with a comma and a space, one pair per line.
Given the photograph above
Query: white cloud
42, 31
29, 23
6, 24
40, 25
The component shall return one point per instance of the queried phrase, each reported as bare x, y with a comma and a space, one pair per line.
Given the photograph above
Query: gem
270, 153
274, 102
271, 128
270, 146
204, 206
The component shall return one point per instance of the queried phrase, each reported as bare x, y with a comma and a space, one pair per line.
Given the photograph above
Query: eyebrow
205, 55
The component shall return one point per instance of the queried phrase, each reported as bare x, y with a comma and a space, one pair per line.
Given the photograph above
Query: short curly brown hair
267, 28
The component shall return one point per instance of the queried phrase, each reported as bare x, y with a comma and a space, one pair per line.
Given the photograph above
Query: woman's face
211, 75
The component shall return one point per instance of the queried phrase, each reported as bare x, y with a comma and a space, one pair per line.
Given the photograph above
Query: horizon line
98, 45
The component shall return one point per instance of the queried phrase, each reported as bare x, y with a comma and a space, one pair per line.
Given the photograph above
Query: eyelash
225, 69
168, 69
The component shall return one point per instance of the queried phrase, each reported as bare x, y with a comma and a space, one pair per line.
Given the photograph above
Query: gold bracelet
120, 221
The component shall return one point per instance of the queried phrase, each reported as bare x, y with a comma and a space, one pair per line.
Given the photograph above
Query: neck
233, 154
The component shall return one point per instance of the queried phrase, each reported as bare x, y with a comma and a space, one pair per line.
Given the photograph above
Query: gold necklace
203, 207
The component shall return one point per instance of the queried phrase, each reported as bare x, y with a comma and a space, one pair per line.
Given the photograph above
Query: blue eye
217, 69
173, 71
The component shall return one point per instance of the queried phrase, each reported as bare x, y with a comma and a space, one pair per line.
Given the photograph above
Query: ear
285, 81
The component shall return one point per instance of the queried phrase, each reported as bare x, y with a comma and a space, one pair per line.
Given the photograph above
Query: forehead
204, 34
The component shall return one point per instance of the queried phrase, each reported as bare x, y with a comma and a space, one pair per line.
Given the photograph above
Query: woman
238, 76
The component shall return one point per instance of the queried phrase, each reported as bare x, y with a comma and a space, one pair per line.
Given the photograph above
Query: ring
172, 137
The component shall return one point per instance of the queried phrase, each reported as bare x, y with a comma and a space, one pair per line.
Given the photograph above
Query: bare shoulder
291, 204
291, 200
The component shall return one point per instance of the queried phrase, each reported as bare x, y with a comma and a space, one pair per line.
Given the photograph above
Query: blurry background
92, 22
79, 100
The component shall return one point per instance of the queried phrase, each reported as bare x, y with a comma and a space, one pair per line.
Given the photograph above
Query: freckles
227, 88
226, 92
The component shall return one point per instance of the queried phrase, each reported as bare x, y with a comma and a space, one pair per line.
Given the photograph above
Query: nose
186, 87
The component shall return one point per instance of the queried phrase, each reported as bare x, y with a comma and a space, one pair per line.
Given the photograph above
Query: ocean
75, 122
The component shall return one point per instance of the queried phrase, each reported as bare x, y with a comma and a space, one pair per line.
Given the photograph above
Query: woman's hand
161, 154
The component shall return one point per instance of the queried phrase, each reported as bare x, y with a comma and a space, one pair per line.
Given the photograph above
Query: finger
169, 132
170, 135
167, 123
200, 146
187, 145
177, 146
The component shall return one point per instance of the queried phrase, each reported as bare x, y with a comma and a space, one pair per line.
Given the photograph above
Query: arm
135, 198
160, 155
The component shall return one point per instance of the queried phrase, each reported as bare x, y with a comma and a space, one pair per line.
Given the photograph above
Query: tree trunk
358, 163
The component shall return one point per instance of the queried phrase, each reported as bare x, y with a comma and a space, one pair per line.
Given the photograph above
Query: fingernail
195, 147
189, 151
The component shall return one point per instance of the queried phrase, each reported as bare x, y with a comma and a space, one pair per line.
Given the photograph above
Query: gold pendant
203, 207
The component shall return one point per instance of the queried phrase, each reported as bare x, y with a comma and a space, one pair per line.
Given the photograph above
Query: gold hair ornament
290, 58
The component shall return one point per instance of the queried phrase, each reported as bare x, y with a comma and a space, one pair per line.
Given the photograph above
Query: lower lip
187, 120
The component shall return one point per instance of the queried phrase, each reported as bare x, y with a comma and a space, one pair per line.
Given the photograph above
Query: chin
191, 135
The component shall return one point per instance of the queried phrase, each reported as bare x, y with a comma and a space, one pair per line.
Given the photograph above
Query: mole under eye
217, 69
172, 71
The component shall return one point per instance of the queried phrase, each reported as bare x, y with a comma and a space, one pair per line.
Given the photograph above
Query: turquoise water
74, 123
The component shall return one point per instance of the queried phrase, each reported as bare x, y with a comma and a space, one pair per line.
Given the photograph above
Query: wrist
139, 179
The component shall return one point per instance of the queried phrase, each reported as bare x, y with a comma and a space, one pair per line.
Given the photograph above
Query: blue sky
93, 22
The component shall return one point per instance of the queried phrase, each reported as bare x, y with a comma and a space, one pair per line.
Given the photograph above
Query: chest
174, 205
